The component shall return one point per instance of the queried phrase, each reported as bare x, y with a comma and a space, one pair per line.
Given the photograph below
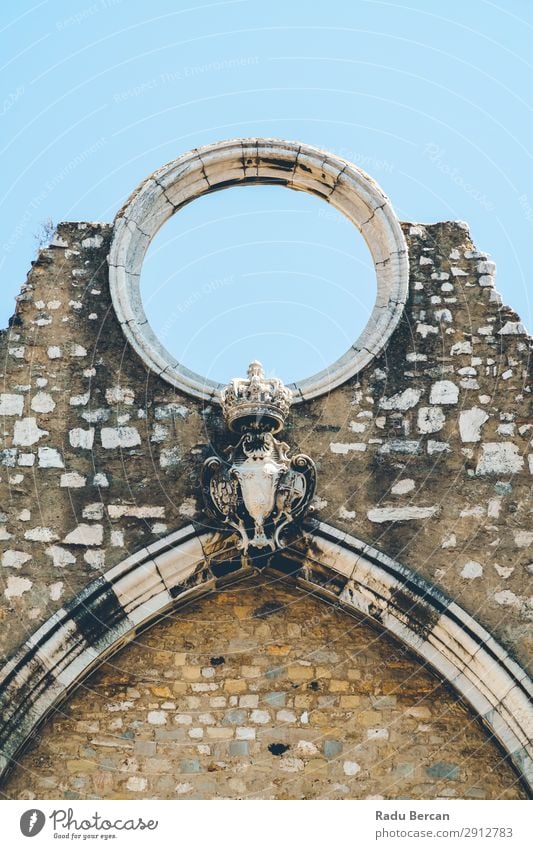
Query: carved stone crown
257, 402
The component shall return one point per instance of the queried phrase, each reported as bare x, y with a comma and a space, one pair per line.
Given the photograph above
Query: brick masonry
263, 692
427, 454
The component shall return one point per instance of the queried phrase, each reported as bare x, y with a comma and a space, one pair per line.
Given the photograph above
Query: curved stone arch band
186, 565
241, 162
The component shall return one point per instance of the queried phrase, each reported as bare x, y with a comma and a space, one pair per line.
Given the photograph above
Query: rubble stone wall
263, 691
426, 454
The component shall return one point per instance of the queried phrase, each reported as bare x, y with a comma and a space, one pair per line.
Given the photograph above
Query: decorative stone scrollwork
258, 490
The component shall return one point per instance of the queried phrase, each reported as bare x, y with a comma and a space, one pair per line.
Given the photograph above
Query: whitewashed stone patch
507, 598
435, 447
157, 717
95, 558
17, 586
402, 400
377, 734
470, 424
120, 395
55, 590
137, 783
513, 328
117, 539
449, 541
523, 539
120, 437
426, 329
260, 717
78, 351
346, 447
400, 446
93, 511
92, 242
499, 458
43, 402
159, 433
400, 514
444, 392
27, 432
11, 405
79, 400
15, 559
40, 535
116, 511
461, 348
72, 480
170, 411
351, 768
472, 570
95, 416
169, 458
85, 535
403, 487
189, 507
50, 458
60, 556
430, 419
290, 764
80, 438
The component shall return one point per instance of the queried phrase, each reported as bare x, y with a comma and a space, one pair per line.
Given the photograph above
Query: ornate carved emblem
258, 490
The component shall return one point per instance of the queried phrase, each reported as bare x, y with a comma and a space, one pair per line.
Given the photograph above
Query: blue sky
432, 99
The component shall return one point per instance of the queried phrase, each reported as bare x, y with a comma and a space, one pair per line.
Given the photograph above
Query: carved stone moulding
241, 162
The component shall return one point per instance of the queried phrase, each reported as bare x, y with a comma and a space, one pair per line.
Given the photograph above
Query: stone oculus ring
255, 161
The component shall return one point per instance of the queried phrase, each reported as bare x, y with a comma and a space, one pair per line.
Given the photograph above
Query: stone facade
263, 692
426, 454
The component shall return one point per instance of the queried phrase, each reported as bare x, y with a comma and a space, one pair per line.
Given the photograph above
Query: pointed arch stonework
190, 563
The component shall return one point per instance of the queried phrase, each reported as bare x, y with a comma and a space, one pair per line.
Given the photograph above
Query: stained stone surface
427, 454
263, 692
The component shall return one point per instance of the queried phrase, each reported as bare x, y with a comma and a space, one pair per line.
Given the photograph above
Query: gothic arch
191, 562
241, 162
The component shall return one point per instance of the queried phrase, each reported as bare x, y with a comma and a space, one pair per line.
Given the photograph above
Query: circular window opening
257, 162
258, 274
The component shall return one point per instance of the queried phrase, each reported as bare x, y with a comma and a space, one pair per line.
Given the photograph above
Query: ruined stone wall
427, 454
263, 692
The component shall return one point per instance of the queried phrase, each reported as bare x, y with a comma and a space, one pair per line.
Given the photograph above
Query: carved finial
255, 402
